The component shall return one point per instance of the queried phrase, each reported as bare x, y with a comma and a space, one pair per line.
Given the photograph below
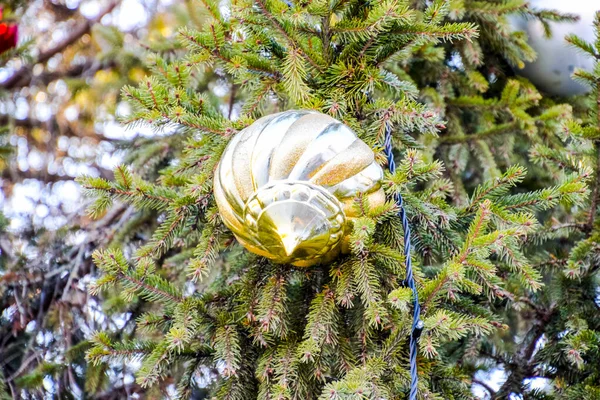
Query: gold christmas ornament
285, 185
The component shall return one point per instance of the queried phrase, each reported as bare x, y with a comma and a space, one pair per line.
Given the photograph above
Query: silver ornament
557, 60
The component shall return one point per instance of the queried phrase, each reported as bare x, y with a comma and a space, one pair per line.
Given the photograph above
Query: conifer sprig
341, 330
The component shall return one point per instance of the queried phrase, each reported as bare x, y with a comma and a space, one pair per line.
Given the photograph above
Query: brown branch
87, 68
24, 365
484, 385
595, 194
231, 100
594, 198
23, 76
26, 123
366, 47
61, 127
43, 175
523, 363
523, 204
530, 303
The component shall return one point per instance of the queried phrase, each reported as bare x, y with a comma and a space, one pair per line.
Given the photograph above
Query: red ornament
9, 34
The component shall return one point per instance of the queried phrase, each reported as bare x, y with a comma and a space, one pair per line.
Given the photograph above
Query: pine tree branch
291, 41
468, 33
425, 303
497, 130
163, 242
530, 303
130, 193
258, 99
226, 132
210, 9
502, 9
140, 284
43, 291
219, 55
496, 185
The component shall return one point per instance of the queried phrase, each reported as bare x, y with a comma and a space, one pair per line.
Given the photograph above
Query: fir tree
487, 168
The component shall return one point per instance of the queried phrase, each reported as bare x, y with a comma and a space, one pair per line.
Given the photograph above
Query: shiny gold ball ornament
285, 186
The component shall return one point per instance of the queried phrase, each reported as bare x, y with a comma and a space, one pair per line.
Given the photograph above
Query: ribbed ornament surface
285, 185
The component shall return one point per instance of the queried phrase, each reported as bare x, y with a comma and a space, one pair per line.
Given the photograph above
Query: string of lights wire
417, 324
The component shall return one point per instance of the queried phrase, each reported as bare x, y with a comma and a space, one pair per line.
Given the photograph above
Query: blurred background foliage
59, 108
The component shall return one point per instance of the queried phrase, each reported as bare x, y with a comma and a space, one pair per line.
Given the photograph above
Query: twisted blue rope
417, 325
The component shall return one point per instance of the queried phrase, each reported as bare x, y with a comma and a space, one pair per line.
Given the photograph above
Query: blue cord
417, 325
